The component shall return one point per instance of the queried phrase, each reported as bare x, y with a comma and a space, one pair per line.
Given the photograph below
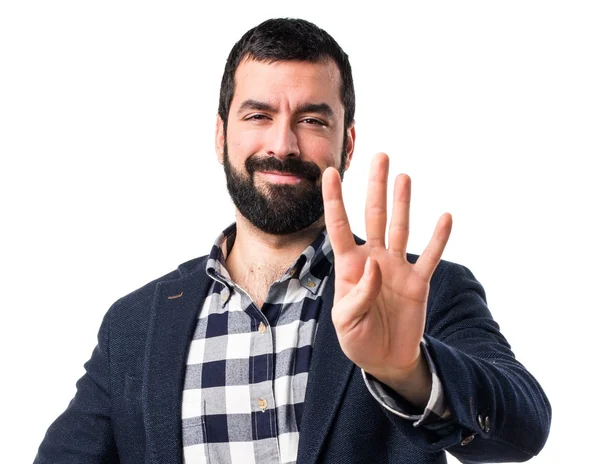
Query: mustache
293, 166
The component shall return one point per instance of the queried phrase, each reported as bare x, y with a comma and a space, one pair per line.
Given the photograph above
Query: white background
108, 177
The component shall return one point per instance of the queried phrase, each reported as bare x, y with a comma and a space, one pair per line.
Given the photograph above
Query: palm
380, 319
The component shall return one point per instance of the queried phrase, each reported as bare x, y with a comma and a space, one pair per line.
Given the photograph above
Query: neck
257, 252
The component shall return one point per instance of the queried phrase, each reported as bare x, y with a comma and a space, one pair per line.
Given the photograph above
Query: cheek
243, 145
321, 151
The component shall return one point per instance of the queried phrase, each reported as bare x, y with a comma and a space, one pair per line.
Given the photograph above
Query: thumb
350, 310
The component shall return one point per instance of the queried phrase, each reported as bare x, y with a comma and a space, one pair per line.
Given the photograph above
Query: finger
430, 258
352, 308
376, 205
336, 219
400, 222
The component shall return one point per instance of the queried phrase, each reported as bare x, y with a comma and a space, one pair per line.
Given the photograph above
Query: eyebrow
255, 105
319, 108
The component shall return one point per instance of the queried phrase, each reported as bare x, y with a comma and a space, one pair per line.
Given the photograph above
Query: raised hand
380, 298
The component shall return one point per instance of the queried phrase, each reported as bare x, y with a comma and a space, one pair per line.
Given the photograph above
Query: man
293, 340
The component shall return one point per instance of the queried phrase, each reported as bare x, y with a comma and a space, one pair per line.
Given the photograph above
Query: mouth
278, 177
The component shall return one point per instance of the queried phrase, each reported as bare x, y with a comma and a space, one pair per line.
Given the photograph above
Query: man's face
285, 126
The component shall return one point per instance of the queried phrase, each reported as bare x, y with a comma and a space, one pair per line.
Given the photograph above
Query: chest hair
257, 282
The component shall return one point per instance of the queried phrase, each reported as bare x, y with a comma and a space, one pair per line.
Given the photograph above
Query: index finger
336, 219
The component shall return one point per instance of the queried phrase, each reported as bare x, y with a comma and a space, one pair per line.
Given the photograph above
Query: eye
313, 122
257, 117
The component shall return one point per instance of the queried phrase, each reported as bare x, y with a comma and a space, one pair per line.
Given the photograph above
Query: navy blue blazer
127, 408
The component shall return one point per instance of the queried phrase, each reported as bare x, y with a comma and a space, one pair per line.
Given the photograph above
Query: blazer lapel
329, 374
175, 308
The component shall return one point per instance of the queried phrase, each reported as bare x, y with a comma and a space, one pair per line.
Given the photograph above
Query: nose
283, 141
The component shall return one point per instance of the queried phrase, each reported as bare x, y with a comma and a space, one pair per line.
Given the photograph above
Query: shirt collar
310, 268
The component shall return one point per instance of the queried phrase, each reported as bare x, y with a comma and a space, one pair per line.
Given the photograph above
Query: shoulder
123, 333
447, 275
445, 272
136, 305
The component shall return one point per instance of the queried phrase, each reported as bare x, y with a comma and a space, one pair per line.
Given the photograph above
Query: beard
282, 208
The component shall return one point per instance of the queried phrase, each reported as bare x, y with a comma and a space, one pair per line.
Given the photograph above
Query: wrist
413, 383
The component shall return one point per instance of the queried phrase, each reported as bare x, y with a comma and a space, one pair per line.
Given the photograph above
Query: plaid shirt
247, 368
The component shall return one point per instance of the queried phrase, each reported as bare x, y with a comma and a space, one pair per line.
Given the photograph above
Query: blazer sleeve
499, 411
82, 434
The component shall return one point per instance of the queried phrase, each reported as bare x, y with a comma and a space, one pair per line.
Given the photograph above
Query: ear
351, 139
220, 139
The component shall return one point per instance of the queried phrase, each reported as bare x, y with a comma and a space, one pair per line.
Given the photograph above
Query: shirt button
291, 271
311, 284
224, 297
262, 404
262, 328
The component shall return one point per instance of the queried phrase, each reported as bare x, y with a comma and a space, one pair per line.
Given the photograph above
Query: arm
383, 305
481, 379
83, 433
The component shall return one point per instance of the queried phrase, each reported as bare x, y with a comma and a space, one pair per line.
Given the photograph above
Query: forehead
288, 83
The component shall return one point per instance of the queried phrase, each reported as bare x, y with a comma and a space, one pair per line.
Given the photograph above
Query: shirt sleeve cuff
436, 412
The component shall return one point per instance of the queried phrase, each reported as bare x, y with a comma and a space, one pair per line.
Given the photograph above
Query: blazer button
484, 423
467, 440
